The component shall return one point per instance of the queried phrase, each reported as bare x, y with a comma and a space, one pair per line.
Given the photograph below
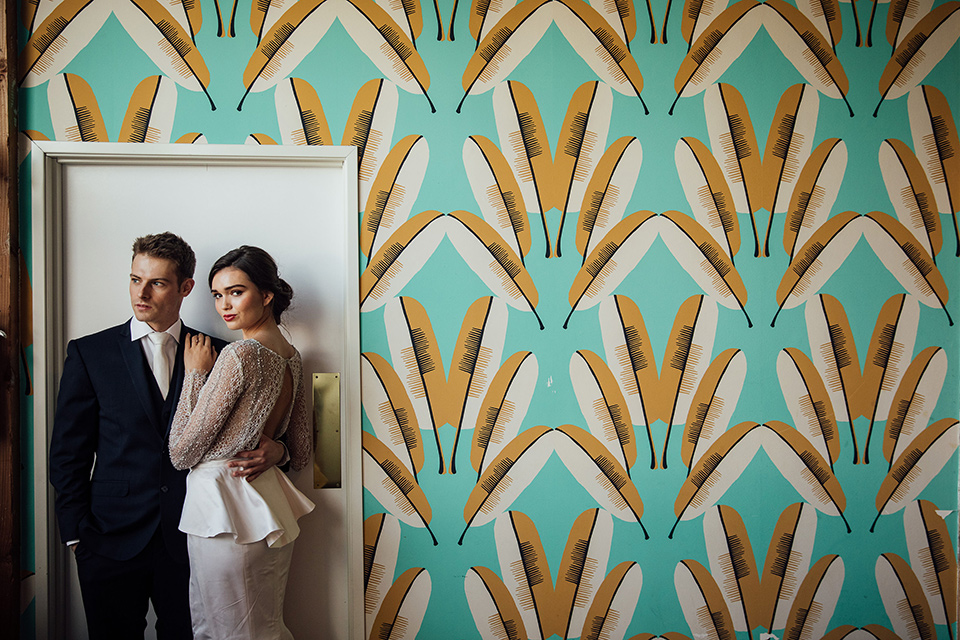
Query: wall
716, 401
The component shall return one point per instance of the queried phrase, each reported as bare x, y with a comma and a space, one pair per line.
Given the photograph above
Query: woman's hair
261, 268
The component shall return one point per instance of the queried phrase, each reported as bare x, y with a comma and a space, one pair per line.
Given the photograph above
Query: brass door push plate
326, 430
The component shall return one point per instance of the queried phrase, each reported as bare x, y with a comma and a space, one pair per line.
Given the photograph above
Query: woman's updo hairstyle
261, 268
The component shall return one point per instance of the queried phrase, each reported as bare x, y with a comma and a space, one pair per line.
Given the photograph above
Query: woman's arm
298, 437
203, 409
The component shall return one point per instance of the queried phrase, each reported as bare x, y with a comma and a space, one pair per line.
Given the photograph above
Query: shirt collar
140, 329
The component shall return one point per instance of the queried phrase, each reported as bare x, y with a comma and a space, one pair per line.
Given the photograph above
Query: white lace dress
223, 414
239, 532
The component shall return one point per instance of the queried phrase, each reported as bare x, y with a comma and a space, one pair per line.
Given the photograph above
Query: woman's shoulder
246, 357
251, 347
242, 349
296, 359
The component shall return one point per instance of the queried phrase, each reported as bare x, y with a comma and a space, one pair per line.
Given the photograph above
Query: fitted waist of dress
214, 464
266, 508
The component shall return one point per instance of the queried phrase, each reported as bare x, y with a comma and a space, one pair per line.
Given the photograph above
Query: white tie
161, 364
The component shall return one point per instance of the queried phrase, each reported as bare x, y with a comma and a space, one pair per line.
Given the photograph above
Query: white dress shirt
140, 330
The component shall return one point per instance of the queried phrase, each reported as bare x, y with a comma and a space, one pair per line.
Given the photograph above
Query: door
300, 204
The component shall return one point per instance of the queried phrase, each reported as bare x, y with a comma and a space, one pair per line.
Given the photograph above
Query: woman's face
239, 302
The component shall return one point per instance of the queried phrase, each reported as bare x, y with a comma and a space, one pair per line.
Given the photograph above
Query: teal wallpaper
656, 320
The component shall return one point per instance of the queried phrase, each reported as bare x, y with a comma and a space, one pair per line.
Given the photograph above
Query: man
118, 498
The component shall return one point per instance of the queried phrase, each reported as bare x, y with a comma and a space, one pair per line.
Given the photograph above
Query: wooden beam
10, 325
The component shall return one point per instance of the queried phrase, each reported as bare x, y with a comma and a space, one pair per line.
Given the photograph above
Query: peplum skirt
265, 509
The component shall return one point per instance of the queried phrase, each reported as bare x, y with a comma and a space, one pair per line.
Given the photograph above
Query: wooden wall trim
10, 325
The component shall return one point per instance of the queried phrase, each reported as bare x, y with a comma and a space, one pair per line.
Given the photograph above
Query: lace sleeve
299, 435
203, 409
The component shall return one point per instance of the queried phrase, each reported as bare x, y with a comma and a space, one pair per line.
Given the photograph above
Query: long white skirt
239, 541
237, 590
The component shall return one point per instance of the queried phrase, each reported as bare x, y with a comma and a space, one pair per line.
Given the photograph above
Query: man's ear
186, 287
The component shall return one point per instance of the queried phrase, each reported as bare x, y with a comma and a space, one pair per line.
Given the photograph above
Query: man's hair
171, 247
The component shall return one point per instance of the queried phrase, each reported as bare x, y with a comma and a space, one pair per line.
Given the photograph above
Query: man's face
155, 293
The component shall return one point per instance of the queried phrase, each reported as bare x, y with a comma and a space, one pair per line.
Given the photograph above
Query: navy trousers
116, 593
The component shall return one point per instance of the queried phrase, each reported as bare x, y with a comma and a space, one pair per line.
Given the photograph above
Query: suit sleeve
76, 428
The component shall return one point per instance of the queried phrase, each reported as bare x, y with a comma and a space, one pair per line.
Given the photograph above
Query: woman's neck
268, 334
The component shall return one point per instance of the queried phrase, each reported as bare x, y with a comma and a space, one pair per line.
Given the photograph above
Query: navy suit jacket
109, 410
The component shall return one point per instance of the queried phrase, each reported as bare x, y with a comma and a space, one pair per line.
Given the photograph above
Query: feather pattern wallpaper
657, 328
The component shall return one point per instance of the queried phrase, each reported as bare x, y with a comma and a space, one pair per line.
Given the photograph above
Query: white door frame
50, 161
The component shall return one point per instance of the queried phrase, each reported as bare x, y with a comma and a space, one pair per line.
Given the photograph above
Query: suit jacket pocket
109, 488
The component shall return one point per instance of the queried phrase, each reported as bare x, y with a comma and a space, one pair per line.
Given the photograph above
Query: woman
240, 529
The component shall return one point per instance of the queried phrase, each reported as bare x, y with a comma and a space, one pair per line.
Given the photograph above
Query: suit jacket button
163, 489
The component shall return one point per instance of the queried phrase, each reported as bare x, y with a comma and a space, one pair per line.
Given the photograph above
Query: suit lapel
176, 382
139, 374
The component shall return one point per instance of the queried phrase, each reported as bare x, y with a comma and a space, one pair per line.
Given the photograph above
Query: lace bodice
224, 413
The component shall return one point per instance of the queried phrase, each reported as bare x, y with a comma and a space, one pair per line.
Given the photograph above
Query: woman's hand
268, 454
199, 354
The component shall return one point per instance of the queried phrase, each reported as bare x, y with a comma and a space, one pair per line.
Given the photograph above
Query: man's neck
140, 328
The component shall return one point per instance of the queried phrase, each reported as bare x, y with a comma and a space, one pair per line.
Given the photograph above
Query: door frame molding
48, 163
